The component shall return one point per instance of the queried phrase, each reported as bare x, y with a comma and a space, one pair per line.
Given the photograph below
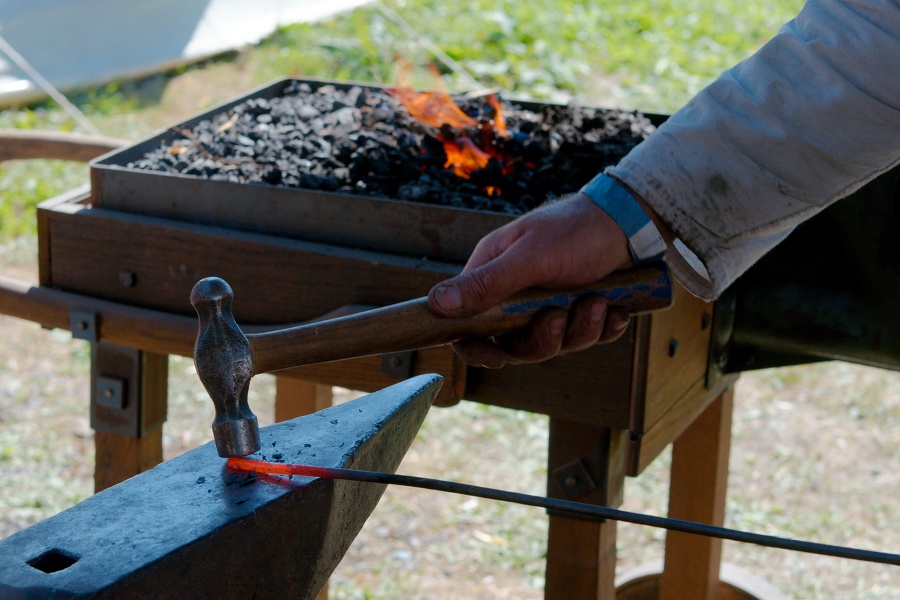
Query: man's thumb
472, 292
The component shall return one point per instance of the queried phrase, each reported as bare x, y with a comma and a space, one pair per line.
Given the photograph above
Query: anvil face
192, 528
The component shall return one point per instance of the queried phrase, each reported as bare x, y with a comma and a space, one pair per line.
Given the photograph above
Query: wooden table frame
612, 409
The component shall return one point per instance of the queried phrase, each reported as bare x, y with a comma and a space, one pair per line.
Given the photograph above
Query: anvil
192, 528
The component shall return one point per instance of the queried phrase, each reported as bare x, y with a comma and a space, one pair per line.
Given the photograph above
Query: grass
664, 52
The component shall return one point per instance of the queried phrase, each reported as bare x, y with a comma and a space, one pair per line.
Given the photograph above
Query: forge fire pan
373, 223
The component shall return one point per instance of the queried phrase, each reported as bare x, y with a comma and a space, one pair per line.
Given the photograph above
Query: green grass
661, 53
647, 54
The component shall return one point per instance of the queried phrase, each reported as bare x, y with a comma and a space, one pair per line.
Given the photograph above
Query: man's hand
566, 243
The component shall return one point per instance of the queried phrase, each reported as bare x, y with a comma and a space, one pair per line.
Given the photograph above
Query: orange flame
437, 109
464, 156
432, 108
499, 122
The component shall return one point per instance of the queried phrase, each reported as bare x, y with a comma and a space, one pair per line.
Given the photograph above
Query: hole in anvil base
52, 561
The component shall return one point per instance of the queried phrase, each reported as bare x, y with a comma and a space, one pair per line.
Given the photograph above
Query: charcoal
316, 182
361, 140
271, 175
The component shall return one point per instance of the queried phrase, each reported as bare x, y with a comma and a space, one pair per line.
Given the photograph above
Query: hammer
226, 359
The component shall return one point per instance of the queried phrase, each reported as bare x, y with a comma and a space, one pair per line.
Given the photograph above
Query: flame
499, 122
464, 156
432, 108
437, 109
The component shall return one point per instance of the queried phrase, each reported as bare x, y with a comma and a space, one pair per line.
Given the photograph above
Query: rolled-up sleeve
807, 120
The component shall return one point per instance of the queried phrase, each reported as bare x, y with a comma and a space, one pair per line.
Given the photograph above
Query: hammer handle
411, 325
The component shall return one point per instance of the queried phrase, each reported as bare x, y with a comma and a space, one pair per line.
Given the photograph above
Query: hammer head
225, 365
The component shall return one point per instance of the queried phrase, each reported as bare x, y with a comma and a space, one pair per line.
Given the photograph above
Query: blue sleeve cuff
644, 241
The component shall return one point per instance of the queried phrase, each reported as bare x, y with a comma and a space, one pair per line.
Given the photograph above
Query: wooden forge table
123, 281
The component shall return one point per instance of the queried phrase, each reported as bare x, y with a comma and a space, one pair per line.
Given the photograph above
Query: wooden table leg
128, 408
697, 493
119, 457
295, 398
585, 464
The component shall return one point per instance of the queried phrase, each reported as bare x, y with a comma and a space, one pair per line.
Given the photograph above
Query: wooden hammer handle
411, 325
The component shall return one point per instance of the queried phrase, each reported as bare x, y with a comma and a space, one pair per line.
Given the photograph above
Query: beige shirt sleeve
807, 120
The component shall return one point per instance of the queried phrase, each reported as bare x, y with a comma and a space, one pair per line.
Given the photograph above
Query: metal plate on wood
128, 390
574, 479
83, 324
110, 392
398, 364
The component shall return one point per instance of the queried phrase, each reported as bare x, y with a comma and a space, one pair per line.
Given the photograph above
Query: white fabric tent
74, 43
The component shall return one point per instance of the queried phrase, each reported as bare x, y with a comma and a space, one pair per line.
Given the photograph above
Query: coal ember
361, 140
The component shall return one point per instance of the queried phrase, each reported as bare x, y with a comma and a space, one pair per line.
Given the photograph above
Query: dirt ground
814, 456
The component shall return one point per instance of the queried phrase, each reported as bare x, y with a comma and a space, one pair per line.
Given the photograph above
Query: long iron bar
576, 508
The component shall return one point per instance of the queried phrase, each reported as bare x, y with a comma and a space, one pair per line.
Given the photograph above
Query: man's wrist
644, 240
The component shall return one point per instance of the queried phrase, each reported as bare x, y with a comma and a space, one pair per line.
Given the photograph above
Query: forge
352, 164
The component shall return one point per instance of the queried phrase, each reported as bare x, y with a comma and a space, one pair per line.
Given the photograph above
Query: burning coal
468, 144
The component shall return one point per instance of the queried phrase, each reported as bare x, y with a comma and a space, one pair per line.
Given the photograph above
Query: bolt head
127, 278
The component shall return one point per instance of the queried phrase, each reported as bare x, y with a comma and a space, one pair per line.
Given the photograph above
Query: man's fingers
587, 320
551, 333
592, 322
481, 353
482, 287
617, 321
540, 341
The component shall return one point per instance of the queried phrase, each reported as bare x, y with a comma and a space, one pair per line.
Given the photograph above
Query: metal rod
48, 87
575, 508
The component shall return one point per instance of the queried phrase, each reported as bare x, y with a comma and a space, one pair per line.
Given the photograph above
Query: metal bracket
574, 479
398, 364
110, 392
83, 324
127, 390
